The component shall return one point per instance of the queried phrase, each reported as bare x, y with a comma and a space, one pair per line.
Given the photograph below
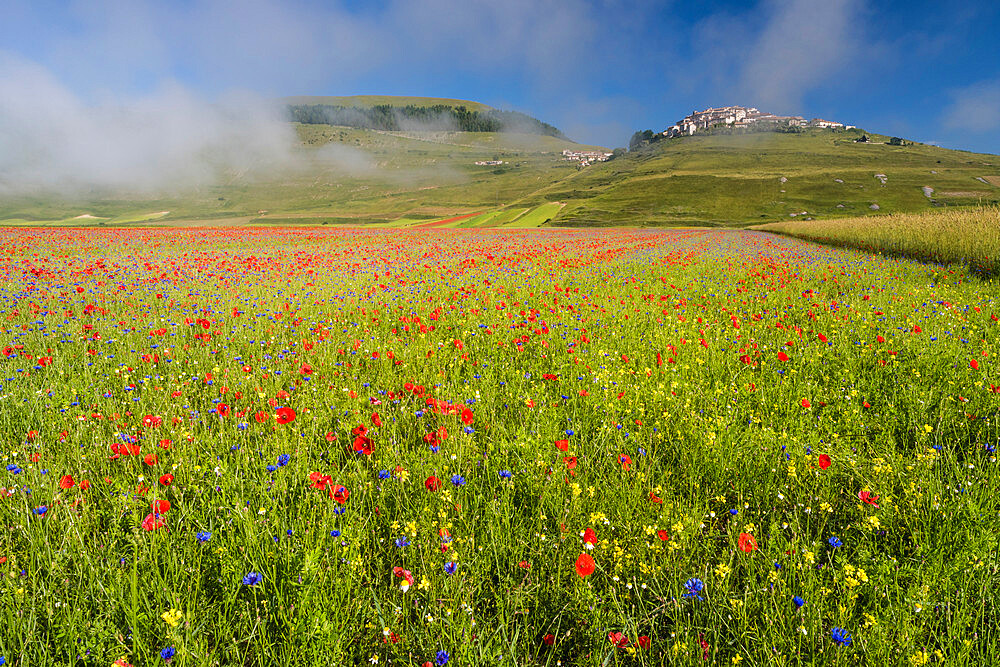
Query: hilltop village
737, 116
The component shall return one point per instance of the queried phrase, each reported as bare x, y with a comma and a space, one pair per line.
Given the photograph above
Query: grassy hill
768, 176
345, 175
358, 176
391, 100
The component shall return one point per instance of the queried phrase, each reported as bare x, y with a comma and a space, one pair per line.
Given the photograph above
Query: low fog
52, 141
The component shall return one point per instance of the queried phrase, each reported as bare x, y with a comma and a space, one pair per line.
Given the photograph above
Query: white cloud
803, 44
975, 108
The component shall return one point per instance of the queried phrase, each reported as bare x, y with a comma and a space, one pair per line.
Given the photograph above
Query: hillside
423, 115
342, 175
379, 100
347, 175
736, 180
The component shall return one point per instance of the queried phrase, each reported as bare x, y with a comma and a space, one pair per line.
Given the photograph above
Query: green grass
665, 347
537, 217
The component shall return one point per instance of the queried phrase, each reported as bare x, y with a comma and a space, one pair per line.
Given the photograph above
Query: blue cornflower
13, 468
569, 432
442, 658
334, 533
841, 637
41, 509
339, 510
271, 468
734, 511
798, 602
384, 474
252, 579
402, 542
468, 430
457, 480
204, 536
435, 449
450, 567
692, 587
283, 460
168, 653
835, 542
505, 474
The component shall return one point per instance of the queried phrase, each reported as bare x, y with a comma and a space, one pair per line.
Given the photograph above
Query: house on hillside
830, 124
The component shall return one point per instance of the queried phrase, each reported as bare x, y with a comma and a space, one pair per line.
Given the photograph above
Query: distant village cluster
490, 163
586, 158
737, 116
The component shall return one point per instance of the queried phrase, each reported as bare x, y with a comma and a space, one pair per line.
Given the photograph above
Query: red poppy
643, 642
549, 639
467, 418
655, 498
806, 403
152, 522
339, 493
66, 482
285, 415
363, 445
974, 364
590, 537
824, 461
376, 420
618, 639
319, 481
783, 357
160, 506
222, 410
562, 445
626, 461
585, 565
167, 479
747, 543
150, 459
662, 534
868, 497
524, 565
261, 417
432, 483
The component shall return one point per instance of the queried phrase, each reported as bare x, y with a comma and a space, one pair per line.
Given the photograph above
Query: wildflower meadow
493, 447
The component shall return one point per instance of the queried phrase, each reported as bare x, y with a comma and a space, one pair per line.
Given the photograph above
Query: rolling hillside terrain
769, 176
351, 175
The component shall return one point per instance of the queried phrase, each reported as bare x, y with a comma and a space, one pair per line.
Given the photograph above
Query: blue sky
599, 70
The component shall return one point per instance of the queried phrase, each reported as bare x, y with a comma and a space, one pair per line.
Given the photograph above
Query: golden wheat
966, 236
